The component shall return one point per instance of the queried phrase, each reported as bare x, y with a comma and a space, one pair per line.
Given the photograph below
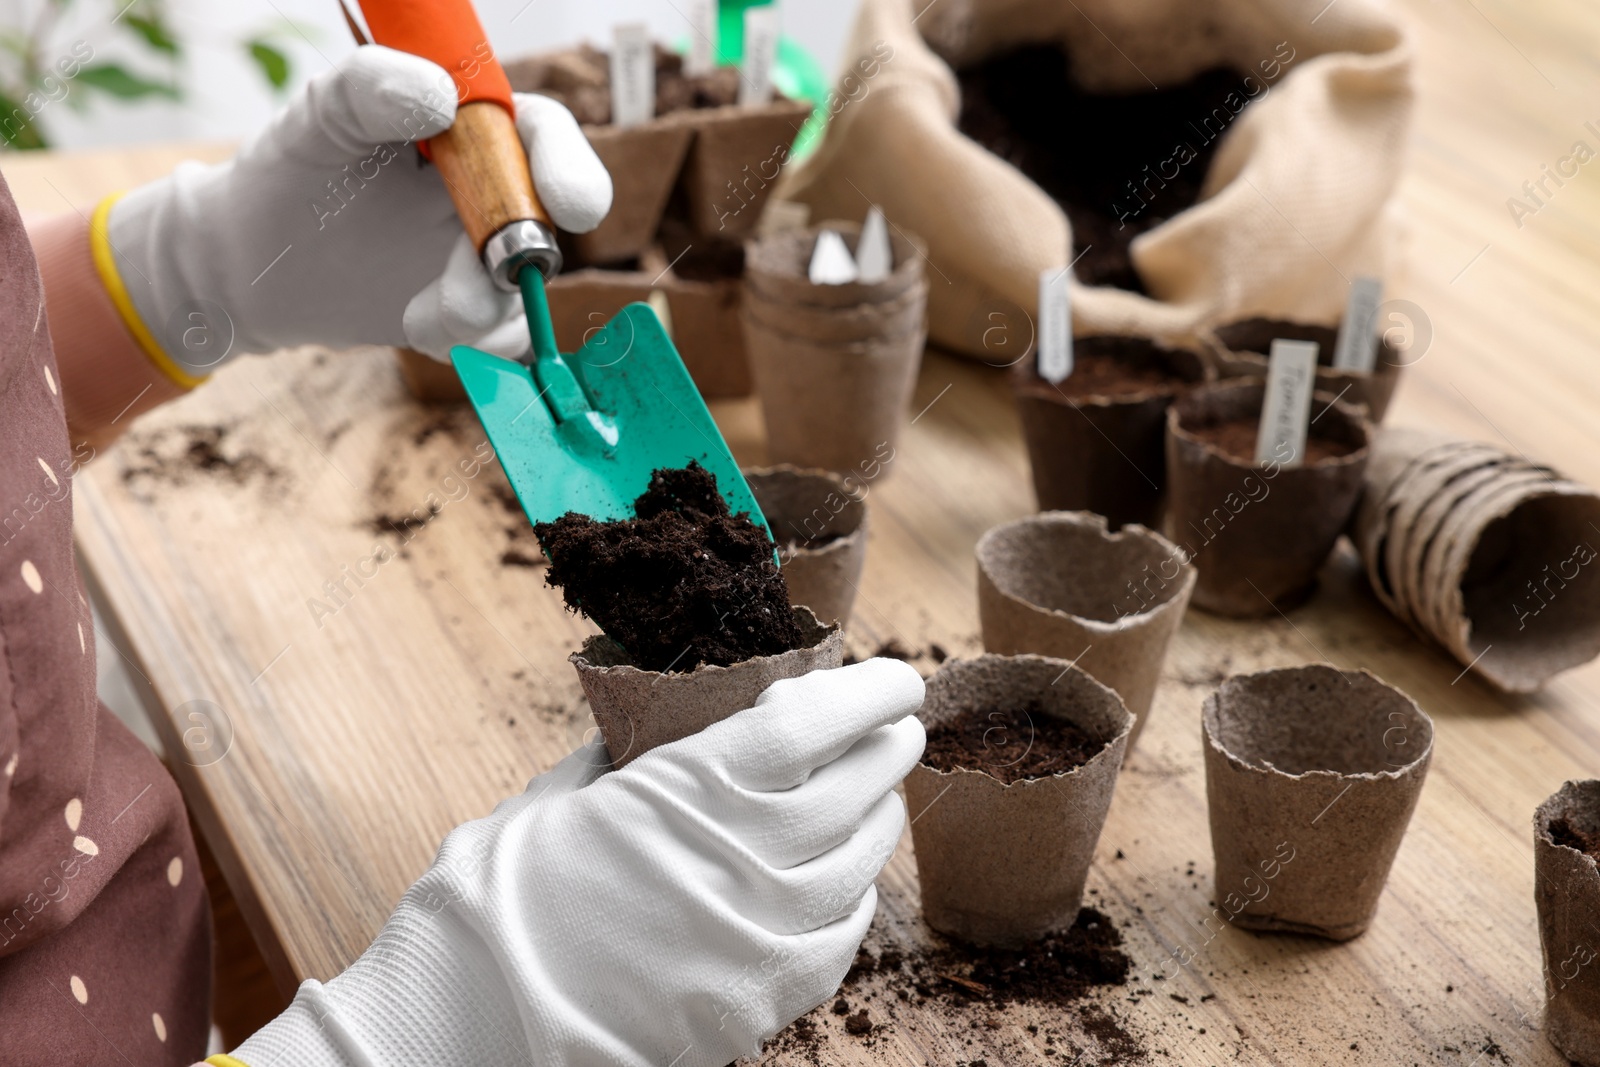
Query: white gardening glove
326, 228
676, 911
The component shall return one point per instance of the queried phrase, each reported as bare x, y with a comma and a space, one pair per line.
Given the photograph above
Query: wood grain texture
439, 683
483, 164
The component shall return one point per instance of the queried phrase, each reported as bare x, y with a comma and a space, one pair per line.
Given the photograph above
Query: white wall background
225, 96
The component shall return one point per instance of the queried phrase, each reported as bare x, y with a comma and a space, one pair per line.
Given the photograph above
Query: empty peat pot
1241, 349
1566, 889
638, 710
819, 520
1257, 532
1311, 777
1095, 438
1059, 584
834, 365
1002, 859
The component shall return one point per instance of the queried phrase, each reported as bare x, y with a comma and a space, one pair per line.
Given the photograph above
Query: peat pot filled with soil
1059, 584
1311, 777
696, 615
1566, 889
699, 142
819, 520
1007, 804
1258, 532
1240, 349
1095, 438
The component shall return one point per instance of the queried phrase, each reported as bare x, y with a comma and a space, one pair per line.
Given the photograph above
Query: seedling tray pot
1103, 453
1060, 585
1566, 890
638, 710
1258, 534
1312, 774
1241, 349
1006, 864
809, 506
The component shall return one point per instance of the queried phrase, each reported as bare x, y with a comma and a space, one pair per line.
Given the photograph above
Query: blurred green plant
36, 70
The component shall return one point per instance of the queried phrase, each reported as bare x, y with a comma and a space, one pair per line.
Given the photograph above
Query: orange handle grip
480, 157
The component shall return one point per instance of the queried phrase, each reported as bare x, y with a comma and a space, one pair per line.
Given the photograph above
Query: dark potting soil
1012, 744
581, 79
1563, 832
1236, 439
1098, 155
695, 257
1105, 374
179, 455
684, 583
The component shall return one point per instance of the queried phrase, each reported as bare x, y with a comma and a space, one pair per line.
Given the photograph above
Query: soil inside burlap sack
581, 79
1099, 156
682, 584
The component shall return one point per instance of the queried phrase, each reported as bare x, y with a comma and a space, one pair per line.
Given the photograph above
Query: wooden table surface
358, 732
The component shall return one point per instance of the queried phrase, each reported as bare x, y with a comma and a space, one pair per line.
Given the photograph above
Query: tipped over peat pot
1095, 438
1566, 890
1241, 349
1258, 532
1059, 584
820, 525
834, 365
1312, 774
1484, 552
1008, 802
638, 710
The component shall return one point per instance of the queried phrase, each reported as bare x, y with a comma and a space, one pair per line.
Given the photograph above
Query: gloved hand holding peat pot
677, 909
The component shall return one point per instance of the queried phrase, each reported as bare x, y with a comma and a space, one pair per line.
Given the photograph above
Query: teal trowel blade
638, 411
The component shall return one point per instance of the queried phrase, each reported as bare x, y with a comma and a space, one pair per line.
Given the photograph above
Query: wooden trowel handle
480, 157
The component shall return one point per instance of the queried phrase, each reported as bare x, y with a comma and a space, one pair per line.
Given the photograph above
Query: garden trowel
579, 432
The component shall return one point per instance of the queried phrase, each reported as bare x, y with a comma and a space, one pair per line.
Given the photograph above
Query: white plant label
831, 261
1286, 412
702, 57
874, 258
1357, 349
1055, 325
633, 74
760, 54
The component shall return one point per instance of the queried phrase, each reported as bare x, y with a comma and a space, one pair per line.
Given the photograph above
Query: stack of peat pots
689, 184
834, 365
1484, 552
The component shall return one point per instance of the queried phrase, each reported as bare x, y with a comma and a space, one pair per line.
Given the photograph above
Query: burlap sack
1298, 189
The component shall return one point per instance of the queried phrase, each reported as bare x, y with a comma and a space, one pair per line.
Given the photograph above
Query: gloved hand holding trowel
675, 911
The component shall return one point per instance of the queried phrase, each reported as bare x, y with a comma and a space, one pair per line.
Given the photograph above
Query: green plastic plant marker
583, 432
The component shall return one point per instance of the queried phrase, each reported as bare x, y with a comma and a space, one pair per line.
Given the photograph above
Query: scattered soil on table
971, 989
183, 455
581, 79
404, 523
1236, 439
522, 546
1103, 374
1563, 832
684, 583
1098, 154
1011, 744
